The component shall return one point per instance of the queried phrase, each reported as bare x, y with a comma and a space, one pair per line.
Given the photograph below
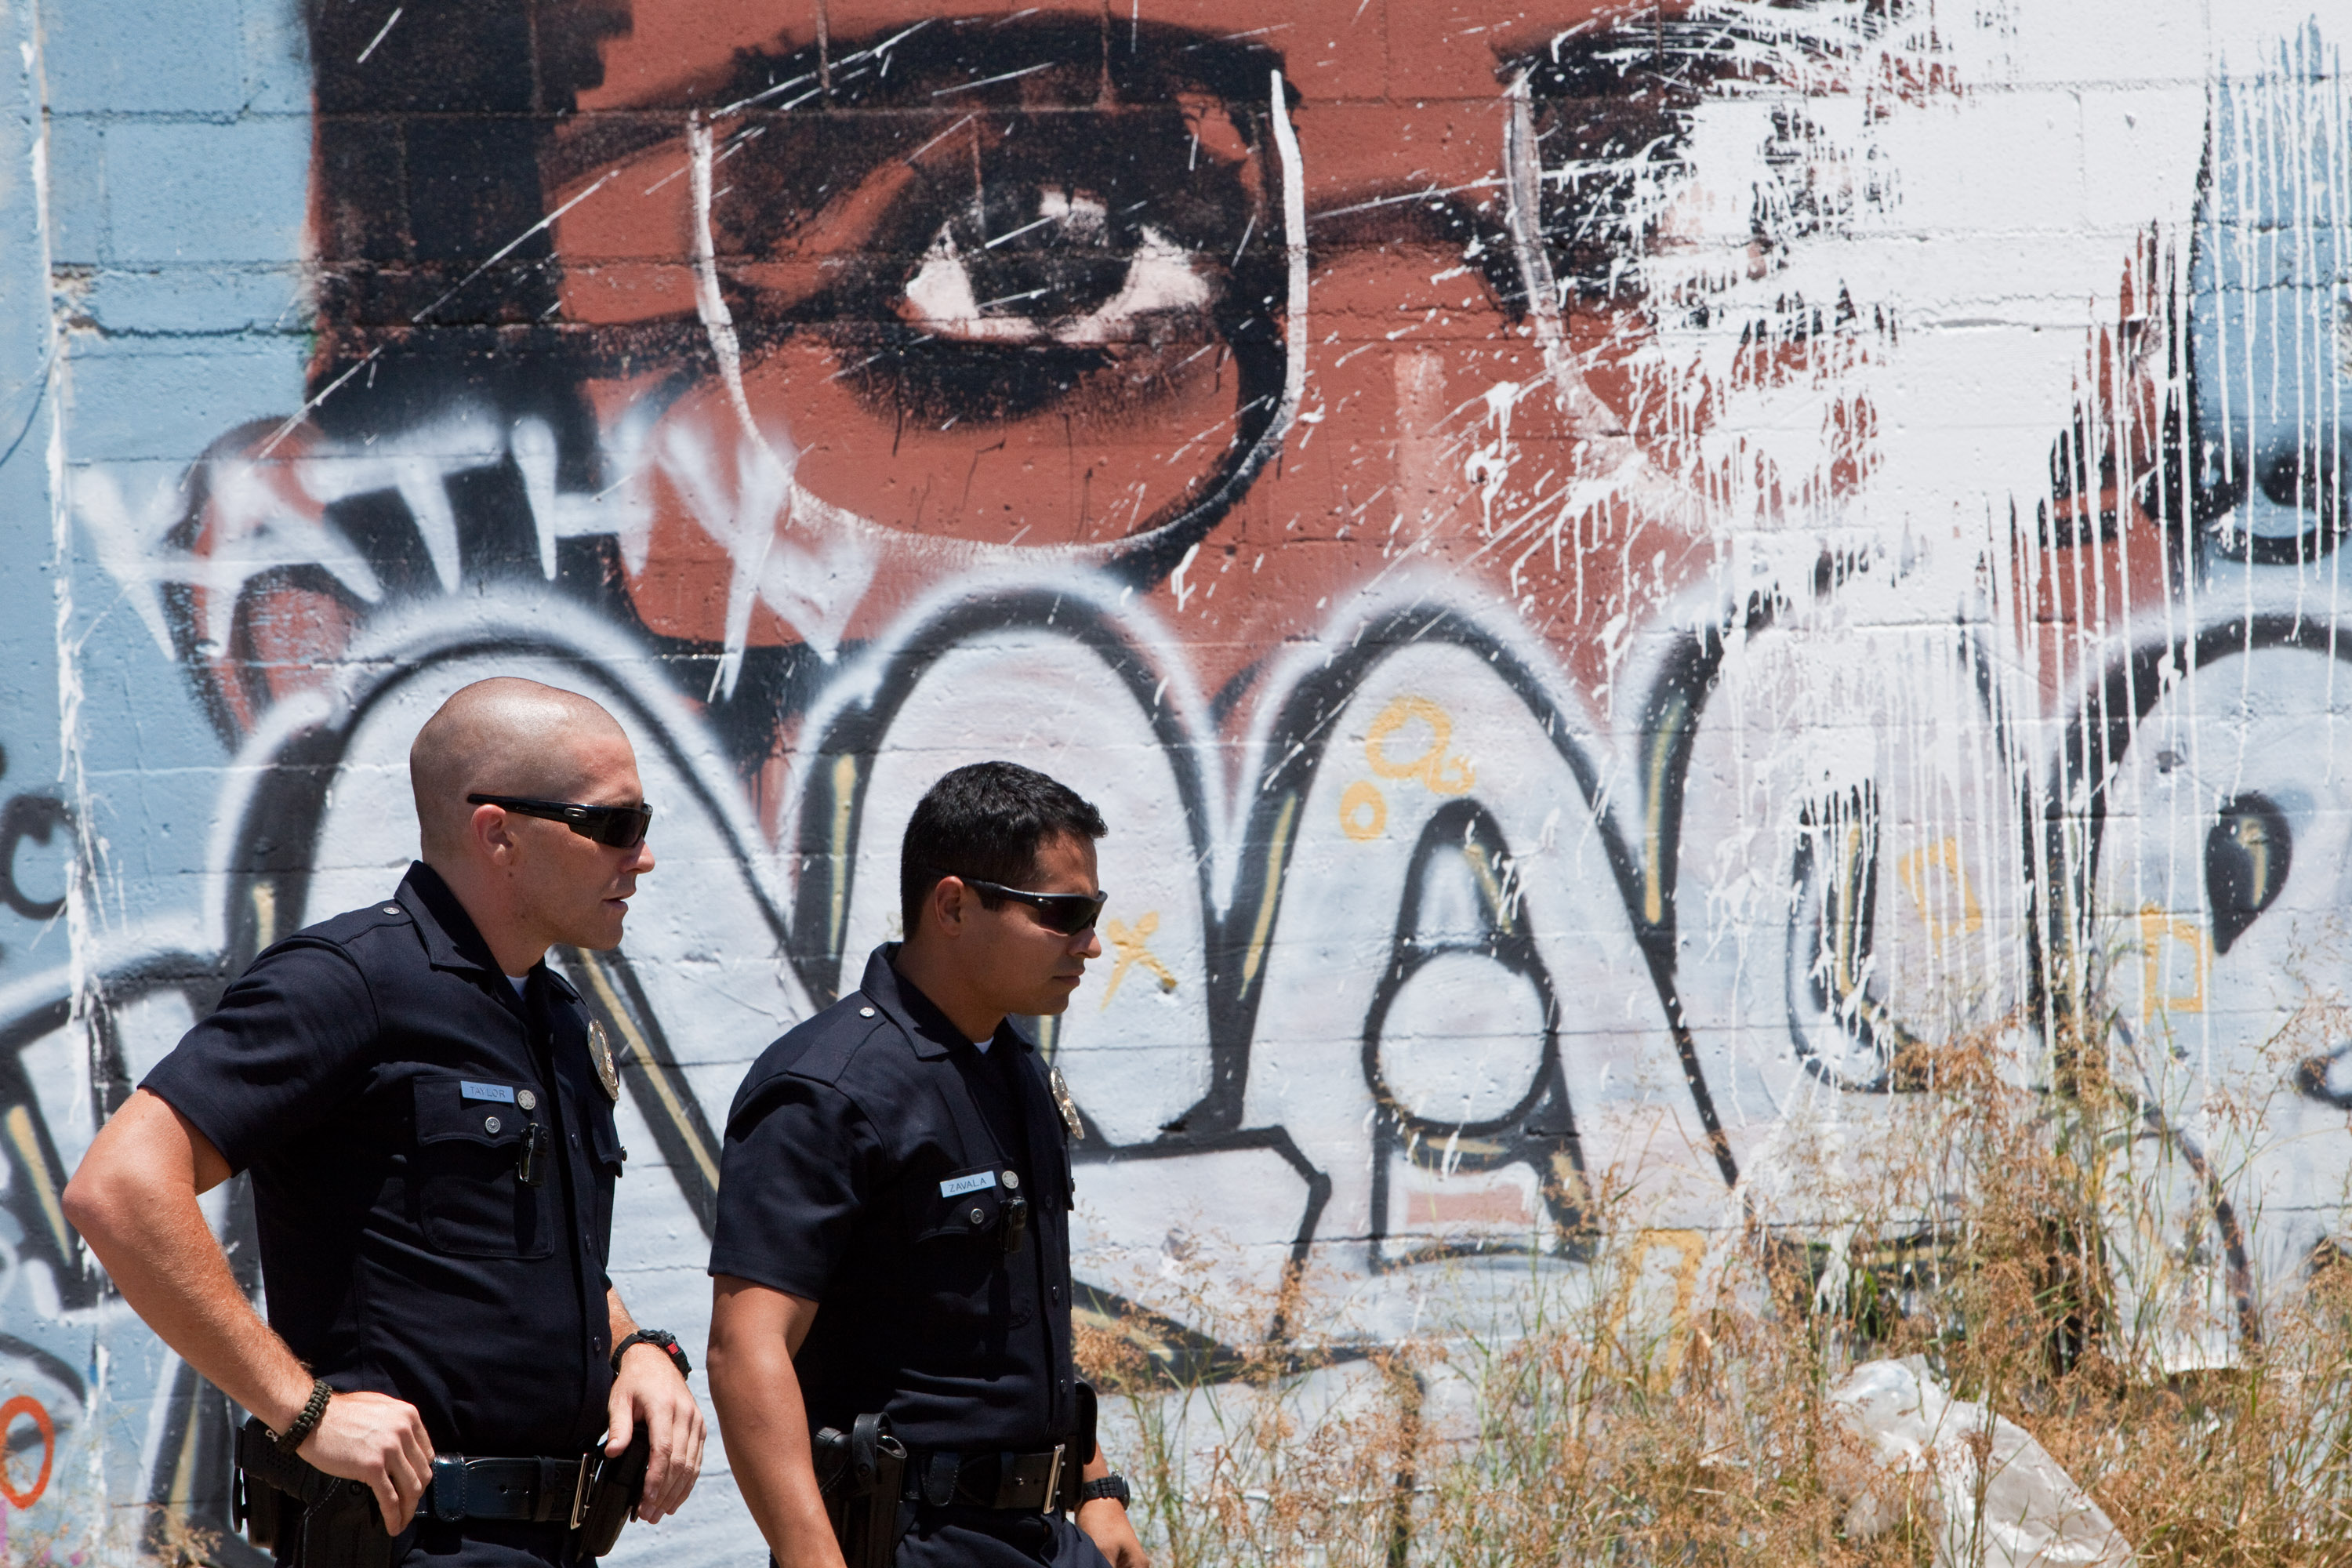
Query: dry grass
2015, 1242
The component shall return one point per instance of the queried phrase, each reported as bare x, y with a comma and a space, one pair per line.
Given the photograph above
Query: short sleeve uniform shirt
873, 1161
433, 1158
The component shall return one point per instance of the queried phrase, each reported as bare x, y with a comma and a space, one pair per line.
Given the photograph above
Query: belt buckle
1053, 1480
580, 1492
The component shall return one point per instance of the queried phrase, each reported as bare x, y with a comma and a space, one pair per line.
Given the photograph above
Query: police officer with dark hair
427, 1112
892, 1260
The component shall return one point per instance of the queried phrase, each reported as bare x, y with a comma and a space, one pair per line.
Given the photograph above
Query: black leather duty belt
540, 1490
1027, 1483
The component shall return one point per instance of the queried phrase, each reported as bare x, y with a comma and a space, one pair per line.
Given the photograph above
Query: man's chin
604, 936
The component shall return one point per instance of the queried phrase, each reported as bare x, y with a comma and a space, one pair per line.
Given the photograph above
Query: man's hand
648, 1389
379, 1442
1107, 1526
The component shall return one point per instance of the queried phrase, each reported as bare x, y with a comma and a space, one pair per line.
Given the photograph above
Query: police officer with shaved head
425, 1110
890, 1333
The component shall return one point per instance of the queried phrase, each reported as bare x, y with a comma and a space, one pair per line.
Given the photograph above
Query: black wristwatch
1113, 1485
661, 1340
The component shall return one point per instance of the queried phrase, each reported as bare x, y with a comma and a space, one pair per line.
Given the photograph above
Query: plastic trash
1996, 1498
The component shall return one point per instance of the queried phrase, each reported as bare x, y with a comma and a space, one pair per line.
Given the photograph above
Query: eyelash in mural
1014, 262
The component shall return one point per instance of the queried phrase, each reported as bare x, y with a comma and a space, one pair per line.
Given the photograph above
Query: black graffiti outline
1296, 741
2108, 719
1524, 1133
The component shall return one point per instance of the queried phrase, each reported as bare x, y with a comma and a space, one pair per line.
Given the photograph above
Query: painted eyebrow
983, 65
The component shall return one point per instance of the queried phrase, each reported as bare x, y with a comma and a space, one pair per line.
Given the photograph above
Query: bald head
502, 736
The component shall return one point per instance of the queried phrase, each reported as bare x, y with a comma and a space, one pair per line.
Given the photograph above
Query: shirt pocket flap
445, 1112
965, 1203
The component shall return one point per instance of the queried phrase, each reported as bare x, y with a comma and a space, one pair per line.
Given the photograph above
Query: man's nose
1089, 944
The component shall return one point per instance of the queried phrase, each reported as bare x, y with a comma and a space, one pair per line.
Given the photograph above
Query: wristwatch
1113, 1485
661, 1340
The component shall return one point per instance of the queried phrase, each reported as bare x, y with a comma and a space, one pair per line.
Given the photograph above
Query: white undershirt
518, 982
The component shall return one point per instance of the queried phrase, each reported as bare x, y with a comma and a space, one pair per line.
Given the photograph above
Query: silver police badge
600, 1051
1062, 1097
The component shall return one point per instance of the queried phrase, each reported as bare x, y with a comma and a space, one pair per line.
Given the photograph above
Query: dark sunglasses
1069, 913
616, 827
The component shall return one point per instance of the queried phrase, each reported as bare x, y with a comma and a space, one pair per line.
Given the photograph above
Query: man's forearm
764, 1424
765, 1428
134, 1202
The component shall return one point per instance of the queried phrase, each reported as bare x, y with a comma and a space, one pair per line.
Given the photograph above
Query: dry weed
1577, 1434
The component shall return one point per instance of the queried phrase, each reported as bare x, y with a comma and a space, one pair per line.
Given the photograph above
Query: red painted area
25, 1404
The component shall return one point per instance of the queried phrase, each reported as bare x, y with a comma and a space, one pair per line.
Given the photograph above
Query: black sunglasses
617, 827
1069, 913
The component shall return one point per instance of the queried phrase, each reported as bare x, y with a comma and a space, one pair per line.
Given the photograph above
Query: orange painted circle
25, 1405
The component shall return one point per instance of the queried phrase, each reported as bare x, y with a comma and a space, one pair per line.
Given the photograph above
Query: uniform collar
933, 1034
452, 940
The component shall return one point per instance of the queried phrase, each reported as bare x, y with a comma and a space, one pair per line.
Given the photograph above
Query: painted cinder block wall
1613, 570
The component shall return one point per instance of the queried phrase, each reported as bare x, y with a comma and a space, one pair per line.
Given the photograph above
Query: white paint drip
1294, 245
748, 545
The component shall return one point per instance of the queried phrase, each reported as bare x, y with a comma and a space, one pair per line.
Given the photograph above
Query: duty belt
1029, 1483
541, 1490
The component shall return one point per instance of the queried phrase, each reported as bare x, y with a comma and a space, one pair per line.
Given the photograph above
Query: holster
612, 1494
859, 1473
1083, 1443
310, 1518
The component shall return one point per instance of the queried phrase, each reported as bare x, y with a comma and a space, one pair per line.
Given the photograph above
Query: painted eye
1061, 277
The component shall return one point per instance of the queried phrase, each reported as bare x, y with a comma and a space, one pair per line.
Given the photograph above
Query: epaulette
828, 1055
341, 927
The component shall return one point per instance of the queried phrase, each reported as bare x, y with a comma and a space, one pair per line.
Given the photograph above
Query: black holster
308, 1518
1083, 1443
859, 1472
612, 1494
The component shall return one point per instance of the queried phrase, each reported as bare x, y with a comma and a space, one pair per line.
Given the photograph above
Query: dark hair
989, 821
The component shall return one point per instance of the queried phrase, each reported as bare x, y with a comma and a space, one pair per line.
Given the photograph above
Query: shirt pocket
471, 1199
959, 1251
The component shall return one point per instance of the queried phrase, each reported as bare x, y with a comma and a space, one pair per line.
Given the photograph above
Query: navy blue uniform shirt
378, 1074
871, 1157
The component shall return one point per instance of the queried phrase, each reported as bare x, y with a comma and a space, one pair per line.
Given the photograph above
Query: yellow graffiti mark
265, 915
2155, 928
28, 1141
1913, 871
844, 786
1689, 1250
1440, 771
1490, 886
1363, 810
1128, 944
1654, 827
1279, 842
672, 1096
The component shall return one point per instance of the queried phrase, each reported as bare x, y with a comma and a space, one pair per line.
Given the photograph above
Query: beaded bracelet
306, 1423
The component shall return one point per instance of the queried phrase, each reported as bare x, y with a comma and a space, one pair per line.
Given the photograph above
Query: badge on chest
600, 1051
1069, 1107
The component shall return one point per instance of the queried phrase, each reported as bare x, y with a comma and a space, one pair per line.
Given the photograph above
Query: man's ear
948, 899
493, 834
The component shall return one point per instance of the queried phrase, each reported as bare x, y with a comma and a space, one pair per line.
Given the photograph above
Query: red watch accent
661, 1340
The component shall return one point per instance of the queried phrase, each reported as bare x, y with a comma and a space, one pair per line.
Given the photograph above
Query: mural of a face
1601, 652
